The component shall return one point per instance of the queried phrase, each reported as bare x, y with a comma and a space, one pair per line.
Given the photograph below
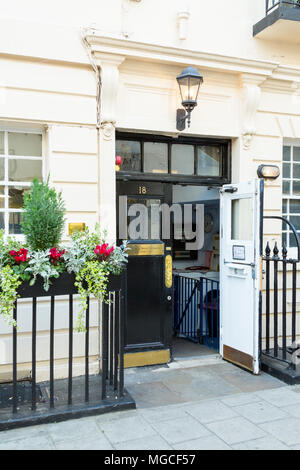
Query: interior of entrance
196, 278
153, 170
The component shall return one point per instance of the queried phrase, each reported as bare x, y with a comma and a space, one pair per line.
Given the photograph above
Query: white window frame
6, 183
292, 251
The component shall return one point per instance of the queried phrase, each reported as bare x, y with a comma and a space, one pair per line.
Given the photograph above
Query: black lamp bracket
181, 118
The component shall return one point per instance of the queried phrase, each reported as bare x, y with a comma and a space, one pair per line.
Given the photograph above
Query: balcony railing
271, 5
281, 22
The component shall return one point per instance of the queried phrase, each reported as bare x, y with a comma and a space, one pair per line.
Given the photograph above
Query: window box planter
64, 285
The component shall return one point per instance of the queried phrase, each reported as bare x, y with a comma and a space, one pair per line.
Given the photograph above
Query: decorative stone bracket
251, 95
109, 72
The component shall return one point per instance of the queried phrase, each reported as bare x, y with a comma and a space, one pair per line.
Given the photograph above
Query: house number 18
142, 190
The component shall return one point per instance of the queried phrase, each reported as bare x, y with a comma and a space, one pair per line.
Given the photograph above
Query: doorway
196, 312
186, 170
182, 318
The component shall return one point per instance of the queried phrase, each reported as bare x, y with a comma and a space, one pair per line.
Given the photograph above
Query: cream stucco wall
250, 94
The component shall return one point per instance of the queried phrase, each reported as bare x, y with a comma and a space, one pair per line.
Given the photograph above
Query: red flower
55, 255
103, 250
20, 256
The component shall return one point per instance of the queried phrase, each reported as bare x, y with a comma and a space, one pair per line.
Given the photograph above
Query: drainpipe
98, 126
98, 104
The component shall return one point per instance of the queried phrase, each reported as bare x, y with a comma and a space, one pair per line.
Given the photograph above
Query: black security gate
23, 403
280, 352
197, 310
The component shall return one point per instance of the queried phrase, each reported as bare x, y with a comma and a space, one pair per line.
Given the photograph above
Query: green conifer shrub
44, 216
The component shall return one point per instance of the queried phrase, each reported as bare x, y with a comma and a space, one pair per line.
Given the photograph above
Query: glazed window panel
142, 223
130, 152
296, 154
16, 196
291, 194
286, 154
209, 161
20, 162
183, 159
155, 157
23, 144
2, 223
286, 170
24, 170
15, 221
1, 143
2, 168
2, 197
242, 219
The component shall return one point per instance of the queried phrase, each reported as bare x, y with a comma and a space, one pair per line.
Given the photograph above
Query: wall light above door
189, 82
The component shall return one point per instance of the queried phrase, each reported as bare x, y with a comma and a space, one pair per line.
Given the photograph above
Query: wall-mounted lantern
268, 172
189, 82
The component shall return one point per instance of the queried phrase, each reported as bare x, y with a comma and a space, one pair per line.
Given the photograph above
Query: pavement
191, 404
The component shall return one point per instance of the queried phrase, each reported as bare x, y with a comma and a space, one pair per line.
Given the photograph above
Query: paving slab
127, 429
116, 416
163, 413
152, 394
200, 389
210, 411
240, 399
73, 429
204, 443
180, 430
265, 443
260, 412
292, 410
31, 443
280, 397
22, 433
247, 382
236, 430
285, 430
153, 443
85, 443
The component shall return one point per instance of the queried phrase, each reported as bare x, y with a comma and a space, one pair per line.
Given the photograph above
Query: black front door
149, 308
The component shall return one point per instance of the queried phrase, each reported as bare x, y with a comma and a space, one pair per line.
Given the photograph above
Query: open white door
240, 272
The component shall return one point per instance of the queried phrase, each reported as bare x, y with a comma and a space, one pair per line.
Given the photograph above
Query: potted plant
42, 267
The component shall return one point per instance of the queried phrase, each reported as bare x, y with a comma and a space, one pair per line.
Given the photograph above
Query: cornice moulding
173, 55
284, 72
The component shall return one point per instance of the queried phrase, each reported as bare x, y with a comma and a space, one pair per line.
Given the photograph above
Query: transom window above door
21, 160
173, 159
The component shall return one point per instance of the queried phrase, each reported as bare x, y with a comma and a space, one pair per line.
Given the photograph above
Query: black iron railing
197, 309
73, 396
280, 342
271, 5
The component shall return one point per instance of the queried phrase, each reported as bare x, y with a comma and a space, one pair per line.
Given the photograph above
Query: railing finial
275, 251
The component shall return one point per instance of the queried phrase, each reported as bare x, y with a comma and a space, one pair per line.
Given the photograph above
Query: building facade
81, 84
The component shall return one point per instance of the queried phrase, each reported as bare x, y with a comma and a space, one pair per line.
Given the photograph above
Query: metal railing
281, 346
197, 309
61, 397
271, 5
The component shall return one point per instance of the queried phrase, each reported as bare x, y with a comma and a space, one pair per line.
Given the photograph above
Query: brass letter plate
168, 272
146, 249
76, 227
